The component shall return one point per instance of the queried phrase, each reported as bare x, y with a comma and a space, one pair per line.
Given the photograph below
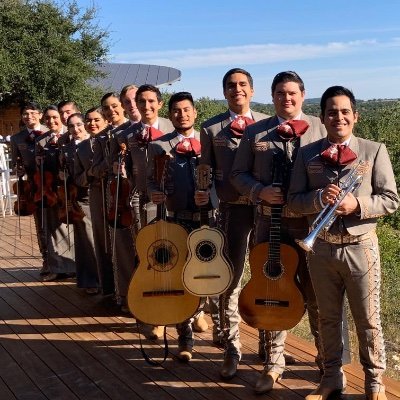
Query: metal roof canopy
120, 75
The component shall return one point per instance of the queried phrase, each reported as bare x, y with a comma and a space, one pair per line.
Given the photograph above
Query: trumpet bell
306, 245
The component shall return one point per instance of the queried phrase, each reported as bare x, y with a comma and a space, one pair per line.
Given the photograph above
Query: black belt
188, 215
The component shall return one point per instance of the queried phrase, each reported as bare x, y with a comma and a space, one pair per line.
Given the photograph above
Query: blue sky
351, 43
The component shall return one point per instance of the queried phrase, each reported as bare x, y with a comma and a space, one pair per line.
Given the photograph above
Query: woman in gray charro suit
97, 125
346, 257
79, 216
58, 238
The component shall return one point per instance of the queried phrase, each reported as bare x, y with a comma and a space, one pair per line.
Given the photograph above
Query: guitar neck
204, 219
275, 233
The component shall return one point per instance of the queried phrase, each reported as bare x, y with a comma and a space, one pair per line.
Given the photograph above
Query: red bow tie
189, 147
238, 125
292, 128
338, 155
33, 134
147, 135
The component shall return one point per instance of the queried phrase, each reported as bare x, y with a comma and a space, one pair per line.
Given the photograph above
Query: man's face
31, 118
95, 122
76, 127
288, 99
129, 104
182, 116
148, 106
53, 120
66, 111
238, 91
339, 119
113, 110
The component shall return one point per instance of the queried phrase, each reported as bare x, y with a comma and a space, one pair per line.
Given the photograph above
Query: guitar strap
146, 357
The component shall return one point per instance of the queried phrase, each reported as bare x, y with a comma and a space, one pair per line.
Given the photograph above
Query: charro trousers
354, 269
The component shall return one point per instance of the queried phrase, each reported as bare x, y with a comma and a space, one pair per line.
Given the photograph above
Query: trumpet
327, 216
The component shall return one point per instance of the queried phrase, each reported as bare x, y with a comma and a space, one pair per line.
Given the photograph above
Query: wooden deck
58, 343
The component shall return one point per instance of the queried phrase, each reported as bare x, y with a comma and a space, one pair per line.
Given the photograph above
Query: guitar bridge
163, 293
207, 277
271, 303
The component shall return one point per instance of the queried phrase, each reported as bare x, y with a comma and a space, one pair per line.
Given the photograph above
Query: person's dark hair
95, 109
107, 95
51, 107
78, 114
334, 91
125, 89
180, 96
149, 88
30, 106
67, 102
287, 76
237, 71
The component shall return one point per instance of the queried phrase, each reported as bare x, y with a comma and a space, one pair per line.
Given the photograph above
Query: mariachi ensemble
159, 218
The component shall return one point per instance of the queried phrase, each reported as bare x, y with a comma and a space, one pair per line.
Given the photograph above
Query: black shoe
50, 277
229, 366
266, 381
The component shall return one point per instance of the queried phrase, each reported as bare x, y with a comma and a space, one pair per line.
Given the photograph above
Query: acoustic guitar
208, 271
271, 300
156, 295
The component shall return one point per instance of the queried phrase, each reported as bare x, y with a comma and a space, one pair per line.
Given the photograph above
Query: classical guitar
208, 271
156, 295
271, 300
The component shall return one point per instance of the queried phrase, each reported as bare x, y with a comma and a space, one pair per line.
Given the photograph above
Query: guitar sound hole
273, 270
205, 250
162, 255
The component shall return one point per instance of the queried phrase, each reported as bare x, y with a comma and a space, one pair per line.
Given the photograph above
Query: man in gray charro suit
278, 138
347, 255
23, 161
180, 197
220, 137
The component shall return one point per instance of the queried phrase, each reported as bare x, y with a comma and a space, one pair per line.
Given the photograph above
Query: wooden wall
10, 118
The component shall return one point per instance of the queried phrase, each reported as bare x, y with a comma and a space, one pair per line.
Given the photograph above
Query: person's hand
158, 197
272, 195
330, 194
121, 170
201, 197
348, 205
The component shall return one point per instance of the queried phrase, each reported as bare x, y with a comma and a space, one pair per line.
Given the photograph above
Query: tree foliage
49, 52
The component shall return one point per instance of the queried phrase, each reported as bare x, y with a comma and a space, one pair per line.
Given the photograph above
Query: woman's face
95, 122
76, 128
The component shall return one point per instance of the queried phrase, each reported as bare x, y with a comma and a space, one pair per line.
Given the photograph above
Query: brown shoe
376, 396
266, 381
185, 352
199, 323
156, 332
229, 366
322, 393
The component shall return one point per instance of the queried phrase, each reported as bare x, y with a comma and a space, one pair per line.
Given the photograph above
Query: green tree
49, 52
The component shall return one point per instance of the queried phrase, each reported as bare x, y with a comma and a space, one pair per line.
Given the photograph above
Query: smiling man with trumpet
351, 180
